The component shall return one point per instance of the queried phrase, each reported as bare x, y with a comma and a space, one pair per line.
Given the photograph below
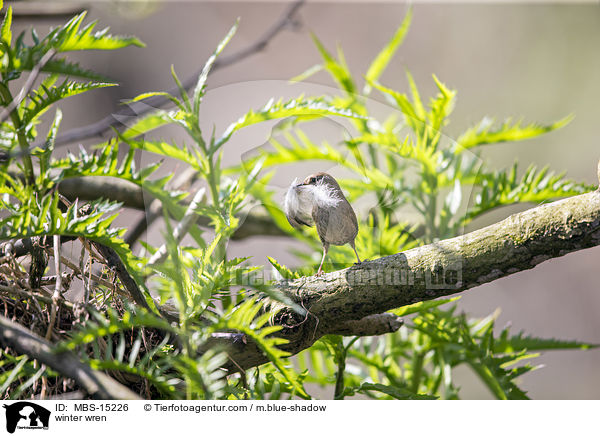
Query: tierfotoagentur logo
26, 415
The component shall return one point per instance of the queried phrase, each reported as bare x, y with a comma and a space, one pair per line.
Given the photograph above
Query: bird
319, 201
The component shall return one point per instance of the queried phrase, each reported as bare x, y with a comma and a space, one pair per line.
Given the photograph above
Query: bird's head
321, 179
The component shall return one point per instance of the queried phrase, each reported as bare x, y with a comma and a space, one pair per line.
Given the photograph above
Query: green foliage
40, 102
417, 361
202, 290
169, 351
412, 169
484, 133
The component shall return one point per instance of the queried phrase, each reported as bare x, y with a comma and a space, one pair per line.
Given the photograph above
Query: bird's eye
313, 180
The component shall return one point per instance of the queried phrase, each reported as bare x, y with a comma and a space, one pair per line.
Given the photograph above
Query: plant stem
212, 182
339, 378
7, 98
489, 380
417, 371
430, 212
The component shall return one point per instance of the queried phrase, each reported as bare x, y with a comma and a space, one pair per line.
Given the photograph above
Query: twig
35, 10
155, 209
57, 286
255, 223
189, 219
86, 283
98, 128
23, 247
114, 261
28, 85
95, 383
80, 273
12, 290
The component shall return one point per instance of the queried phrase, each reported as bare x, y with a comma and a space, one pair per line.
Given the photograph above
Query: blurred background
536, 61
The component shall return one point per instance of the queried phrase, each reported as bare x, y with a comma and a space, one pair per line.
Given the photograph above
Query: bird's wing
320, 216
293, 209
295, 221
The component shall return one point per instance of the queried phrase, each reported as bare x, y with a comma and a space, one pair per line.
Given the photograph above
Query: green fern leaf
44, 97
298, 107
485, 133
200, 88
382, 60
70, 38
5, 30
337, 69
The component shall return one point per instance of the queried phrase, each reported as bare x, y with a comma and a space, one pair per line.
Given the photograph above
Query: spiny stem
7, 98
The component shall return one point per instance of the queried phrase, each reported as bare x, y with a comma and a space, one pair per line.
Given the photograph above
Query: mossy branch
518, 243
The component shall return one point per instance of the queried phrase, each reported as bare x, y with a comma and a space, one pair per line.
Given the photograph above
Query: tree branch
95, 383
98, 128
372, 325
257, 223
517, 243
28, 85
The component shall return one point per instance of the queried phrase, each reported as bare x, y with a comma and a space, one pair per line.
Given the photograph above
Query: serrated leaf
501, 188
49, 145
199, 90
66, 68
292, 108
70, 38
5, 30
394, 391
43, 98
383, 58
285, 272
146, 123
484, 133
506, 344
306, 74
421, 306
441, 106
337, 70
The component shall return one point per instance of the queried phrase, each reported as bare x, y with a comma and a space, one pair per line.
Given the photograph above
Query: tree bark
518, 243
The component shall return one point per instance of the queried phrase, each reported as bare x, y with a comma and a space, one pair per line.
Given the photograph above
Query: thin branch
106, 124
11, 290
447, 267
23, 247
57, 287
255, 223
95, 383
183, 226
114, 262
35, 10
28, 85
183, 182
